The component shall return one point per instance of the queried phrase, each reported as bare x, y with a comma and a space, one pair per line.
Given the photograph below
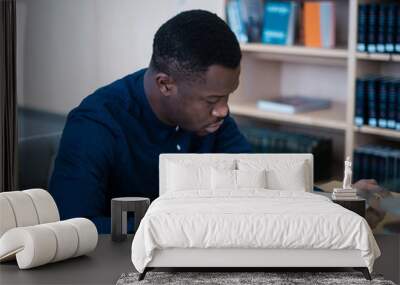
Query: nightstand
357, 206
119, 209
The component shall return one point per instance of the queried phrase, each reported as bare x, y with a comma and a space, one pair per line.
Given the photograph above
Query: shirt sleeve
82, 168
230, 140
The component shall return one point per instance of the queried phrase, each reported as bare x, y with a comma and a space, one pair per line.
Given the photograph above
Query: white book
343, 197
292, 104
344, 194
336, 190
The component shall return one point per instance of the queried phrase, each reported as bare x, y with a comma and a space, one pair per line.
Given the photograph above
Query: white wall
68, 48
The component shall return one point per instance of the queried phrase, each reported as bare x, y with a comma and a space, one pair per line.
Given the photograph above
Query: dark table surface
102, 266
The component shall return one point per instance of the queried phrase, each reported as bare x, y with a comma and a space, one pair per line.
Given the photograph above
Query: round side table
119, 209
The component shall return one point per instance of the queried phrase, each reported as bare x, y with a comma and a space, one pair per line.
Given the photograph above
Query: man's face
202, 105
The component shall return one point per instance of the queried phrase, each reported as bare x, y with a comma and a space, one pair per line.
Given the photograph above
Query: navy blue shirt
110, 148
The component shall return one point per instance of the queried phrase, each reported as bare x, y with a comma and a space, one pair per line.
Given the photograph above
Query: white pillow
294, 181
214, 162
188, 177
226, 179
189, 174
223, 179
251, 178
281, 174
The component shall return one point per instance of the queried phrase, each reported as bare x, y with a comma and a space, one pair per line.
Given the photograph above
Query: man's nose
221, 110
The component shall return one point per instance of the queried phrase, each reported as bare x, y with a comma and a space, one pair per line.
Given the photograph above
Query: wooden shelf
268, 70
295, 50
378, 56
333, 118
378, 131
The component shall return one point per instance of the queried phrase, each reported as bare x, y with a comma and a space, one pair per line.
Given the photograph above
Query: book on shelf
381, 163
372, 27
344, 196
397, 30
293, 104
397, 105
362, 27
377, 102
319, 24
253, 16
345, 192
264, 140
372, 99
383, 103
379, 27
393, 103
390, 28
279, 22
235, 20
341, 197
340, 194
360, 113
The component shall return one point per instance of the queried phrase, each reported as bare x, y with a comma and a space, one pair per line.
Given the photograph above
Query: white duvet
250, 219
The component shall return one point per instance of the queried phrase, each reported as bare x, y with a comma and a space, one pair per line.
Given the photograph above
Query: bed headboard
270, 157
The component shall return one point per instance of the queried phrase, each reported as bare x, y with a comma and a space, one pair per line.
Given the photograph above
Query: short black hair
190, 42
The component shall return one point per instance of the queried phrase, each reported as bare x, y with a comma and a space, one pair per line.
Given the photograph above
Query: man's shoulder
122, 94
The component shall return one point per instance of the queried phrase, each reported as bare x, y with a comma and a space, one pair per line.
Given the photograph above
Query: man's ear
166, 84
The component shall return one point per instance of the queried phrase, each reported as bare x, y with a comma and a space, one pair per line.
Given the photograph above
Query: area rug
229, 278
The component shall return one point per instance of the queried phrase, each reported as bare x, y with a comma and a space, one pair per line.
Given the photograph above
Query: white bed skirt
194, 257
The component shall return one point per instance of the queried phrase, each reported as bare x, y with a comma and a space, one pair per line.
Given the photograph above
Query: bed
246, 211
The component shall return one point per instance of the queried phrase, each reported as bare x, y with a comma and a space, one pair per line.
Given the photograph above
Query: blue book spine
372, 27
373, 164
276, 22
360, 112
398, 106
366, 162
391, 167
390, 28
385, 165
398, 168
327, 24
357, 156
383, 103
392, 104
236, 22
382, 27
373, 110
363, 11
381, 160
397, 31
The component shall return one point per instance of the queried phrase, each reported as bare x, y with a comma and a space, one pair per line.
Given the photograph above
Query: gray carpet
228, 278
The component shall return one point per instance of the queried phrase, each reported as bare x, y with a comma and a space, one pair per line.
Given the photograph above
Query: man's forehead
220, 80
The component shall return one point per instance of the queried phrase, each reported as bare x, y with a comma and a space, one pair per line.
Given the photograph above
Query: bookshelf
315, 72
378, 132
377, 56
299, 54
333, 118
295, 50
